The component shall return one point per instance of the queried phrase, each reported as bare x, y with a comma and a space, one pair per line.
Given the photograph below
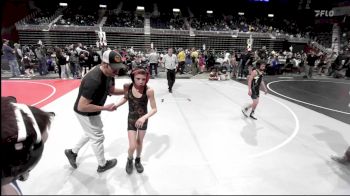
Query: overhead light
270, 15
63, 4
176, 10
241, 13
140, 8
103, 6
209, 11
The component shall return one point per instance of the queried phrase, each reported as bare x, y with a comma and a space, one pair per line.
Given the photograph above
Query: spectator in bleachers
181, 57
62, 61
330, 58
296, 63
210, 61
153, 59
223, 72
272, 67
347, 63
311, 60
201, 63
19, 56
83, 62
41, 16
188, 60
40, 52
95, 57
341, 64
74, 63
322, 65
10, 56
263, 53
214, 75
194, 58
234, 64
26, 61
125, 19
246, 60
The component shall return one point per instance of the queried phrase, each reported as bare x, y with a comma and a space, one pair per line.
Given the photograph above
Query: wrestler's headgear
137, 71
24, 152
260, 62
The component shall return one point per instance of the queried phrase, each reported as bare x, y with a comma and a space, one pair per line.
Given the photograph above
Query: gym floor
199, 142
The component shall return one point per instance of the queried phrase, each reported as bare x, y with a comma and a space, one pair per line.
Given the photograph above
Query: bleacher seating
125, 19
166, 30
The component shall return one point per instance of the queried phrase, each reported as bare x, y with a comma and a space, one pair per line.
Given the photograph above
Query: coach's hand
110, 107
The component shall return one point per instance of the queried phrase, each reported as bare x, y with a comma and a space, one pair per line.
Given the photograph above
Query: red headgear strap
137, 71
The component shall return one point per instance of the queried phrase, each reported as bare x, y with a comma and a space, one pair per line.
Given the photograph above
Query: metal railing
161, 38
170, 31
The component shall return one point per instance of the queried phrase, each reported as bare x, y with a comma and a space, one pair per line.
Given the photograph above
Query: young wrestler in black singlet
254, 81
138, 94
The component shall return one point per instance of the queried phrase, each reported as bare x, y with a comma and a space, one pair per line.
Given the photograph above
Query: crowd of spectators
75, 60
202, 22
209, 23
68, 62
168, 21
40, 17
78, 17
279, 60
125, 19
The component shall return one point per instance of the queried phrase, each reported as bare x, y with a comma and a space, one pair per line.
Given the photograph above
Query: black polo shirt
94, 86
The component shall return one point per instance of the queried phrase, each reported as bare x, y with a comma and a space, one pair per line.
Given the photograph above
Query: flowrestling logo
324, 13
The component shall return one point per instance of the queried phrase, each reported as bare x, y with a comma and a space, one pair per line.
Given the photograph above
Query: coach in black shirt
93, 91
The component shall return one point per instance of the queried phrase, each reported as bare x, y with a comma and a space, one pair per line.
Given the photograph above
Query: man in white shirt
170, 63
153, 62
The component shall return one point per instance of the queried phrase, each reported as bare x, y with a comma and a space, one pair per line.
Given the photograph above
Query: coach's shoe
129, 166
72, 157
138, 165
342, 160
252, 116
109, 164
244, 111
